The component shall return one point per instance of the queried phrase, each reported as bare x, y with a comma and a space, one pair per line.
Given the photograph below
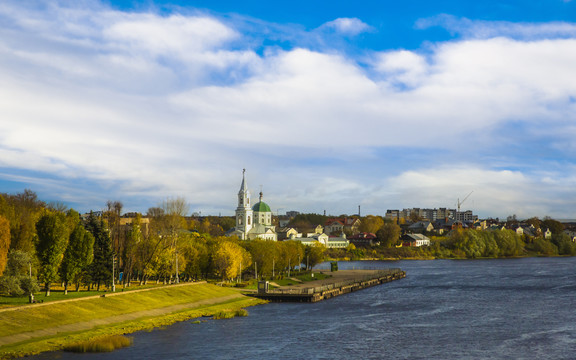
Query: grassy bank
203, 300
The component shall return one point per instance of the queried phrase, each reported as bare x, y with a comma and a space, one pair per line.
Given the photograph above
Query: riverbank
27, 330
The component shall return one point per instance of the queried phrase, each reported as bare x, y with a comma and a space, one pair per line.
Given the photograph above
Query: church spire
243, 187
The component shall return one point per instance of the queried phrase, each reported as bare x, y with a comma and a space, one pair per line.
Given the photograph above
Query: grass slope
33, 319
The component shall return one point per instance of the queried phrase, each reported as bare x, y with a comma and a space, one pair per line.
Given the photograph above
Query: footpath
29, 306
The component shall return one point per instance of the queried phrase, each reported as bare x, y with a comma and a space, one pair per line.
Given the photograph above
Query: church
252, 222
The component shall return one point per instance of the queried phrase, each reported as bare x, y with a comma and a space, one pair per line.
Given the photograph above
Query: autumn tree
130, 250
290, 253
263, 253
112, 219
195, 252
314, 254
230, 259
4, 242
52, 241
389, 234
22, 211
175, 209
371, 224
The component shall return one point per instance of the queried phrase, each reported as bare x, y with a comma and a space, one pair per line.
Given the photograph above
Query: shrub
229, 314
106, 344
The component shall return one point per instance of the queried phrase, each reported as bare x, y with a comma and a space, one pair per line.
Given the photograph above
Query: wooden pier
341, 282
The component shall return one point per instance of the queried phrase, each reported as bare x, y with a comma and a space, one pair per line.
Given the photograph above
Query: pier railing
319, 289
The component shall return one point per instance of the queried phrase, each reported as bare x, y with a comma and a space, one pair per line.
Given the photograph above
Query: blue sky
328, 105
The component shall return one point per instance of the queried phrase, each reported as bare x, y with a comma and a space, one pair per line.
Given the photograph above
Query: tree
112, 217
371, 224
4, 242
22, 211
52, 241
18, 277
78, 255
197, 258
101, 267
554, 226
314, 255
130, 250
509, 243
175, 209
230, 259
263, 253
290, 252
415, 217
389, 234
534, 221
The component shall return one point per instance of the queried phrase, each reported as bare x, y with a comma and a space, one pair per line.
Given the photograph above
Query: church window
239, 220
248, 220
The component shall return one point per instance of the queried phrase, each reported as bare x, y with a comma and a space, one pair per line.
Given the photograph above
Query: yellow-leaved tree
230, 259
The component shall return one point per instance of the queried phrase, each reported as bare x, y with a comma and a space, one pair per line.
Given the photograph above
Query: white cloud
347, 26
490, 29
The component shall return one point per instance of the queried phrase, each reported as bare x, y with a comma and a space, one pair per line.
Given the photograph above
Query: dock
341, 282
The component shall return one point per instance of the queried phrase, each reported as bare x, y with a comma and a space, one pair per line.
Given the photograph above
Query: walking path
87, 325
28, 306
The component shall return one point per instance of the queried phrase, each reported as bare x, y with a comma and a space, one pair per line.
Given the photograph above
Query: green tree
101, 267
18, 277
4, 242
534, 221
389, 234
545, 247
564, 244
78, 255
556, 227
509, 243
52, 242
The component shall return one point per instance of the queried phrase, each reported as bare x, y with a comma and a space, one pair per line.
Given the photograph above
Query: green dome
261, 207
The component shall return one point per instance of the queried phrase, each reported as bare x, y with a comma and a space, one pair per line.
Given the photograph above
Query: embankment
33, 329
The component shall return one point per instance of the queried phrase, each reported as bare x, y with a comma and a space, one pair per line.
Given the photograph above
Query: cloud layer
138, 106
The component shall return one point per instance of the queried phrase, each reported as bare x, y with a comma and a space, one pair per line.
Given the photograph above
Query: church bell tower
244, 215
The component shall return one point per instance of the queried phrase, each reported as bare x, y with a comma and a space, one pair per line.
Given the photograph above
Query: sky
328, 105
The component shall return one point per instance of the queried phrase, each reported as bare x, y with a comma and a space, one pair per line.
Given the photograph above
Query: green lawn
36, 318
303, 278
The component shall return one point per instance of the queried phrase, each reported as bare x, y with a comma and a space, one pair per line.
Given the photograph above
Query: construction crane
462, 202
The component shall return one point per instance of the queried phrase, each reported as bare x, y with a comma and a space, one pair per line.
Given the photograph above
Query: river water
443, 309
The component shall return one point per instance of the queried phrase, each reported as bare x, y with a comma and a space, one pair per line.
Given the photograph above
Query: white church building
252, 222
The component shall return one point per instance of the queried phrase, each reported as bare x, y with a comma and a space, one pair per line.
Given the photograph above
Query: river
443, 309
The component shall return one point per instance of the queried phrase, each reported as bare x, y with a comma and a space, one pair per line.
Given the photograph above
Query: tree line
43, 244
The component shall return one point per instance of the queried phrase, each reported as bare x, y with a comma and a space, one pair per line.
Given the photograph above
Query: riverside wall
340, 283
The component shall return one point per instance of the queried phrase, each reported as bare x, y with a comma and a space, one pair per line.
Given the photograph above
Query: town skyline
386, 105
